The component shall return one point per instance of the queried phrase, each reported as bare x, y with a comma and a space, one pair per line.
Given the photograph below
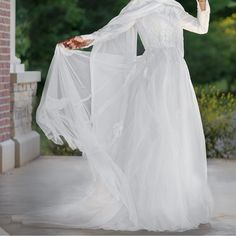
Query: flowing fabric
136, 120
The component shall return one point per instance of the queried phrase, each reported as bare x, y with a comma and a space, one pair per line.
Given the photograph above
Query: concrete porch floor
222, 179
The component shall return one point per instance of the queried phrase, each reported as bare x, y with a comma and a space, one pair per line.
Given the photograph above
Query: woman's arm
199, 24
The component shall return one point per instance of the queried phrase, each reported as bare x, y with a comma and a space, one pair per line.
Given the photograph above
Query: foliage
216, 5
218, 62
218, 111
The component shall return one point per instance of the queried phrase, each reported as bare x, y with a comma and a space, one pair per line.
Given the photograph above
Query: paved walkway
222, 178
3, 232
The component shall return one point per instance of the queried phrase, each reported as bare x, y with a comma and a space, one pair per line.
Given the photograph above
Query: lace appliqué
117, 131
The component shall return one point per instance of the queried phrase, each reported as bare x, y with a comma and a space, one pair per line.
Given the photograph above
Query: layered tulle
161, 152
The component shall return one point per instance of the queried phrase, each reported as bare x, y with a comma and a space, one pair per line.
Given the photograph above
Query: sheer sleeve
199, 24
109, 31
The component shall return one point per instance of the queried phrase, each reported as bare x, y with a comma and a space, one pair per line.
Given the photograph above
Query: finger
78, 38
87, 40
78, 44
73, 46
67, 45
74, 42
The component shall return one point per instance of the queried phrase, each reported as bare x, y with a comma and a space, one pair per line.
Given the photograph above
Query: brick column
4, 70
6, 144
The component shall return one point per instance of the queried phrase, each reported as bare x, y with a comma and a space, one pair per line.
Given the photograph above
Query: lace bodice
164, 27
159, 29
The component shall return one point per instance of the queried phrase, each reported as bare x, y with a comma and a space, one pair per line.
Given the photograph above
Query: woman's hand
76, 42
202, 4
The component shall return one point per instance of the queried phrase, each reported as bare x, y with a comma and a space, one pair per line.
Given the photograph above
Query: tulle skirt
160, 150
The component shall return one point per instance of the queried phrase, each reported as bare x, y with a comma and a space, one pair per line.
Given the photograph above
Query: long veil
85, 94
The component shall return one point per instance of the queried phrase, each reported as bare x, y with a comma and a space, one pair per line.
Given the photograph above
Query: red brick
5, 71
4, 114
5, 50
5, 12
5, 92
5, 20
4, 129
5, 85
4, 28
5, 100
4, 122
4, 42
4, 35
5, 96
4, 78
5, 57
5, 107
4, 65
5, 4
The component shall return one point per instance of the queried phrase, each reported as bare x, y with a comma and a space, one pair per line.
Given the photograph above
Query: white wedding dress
137, 121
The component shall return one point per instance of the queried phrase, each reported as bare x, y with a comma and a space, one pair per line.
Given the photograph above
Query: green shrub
218, 111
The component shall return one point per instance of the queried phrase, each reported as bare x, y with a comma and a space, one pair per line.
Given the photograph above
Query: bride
135, 118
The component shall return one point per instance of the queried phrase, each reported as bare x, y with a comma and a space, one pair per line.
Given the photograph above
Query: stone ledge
26, 77
7, 156
27, 148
